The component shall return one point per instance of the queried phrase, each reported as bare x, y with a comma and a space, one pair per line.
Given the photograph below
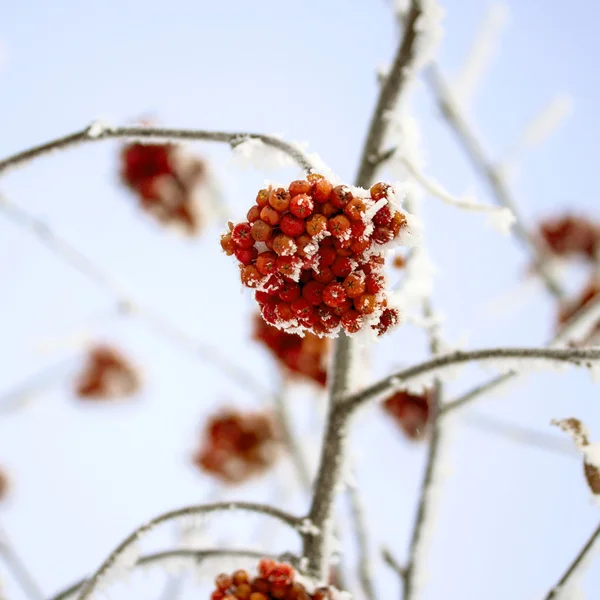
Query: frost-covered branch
98, 131
500, 215
126, 554
578, 327
106, 283
435, 367
177, 557
18, 568
489, 173
391, 561
575, 567
395, 81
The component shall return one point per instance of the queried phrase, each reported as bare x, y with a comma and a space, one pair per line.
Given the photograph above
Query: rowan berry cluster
411, 412
107, 374
275, 581
238, 446
165, 182
305, 356
570, 236
314, 254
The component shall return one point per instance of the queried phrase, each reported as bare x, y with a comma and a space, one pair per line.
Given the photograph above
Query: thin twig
575, 356
18, 568
390, 560
575, 565
105, 282
197, 555
487, 170
365, 567
578, 326
390, 93
189, 511
97, 132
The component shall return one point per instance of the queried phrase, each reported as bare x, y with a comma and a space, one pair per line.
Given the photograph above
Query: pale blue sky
85, 476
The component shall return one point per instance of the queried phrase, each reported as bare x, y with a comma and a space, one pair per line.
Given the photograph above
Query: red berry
316, 224
383, 217
340, 196
241, 235
279, 199
261, 231
389, 318
327, 209
302, 205
355, 209
326, 256
290, 291
360, 245
398, 222
338, 226
302, 241
262, 198
284, 312
300, 186
223, 582
253, 214
289, 266
375, 283
365, 304
383, 235
323, 275
227, 244
379, 190
292, 225
273, 284
352, 321
313, 292
354, 285
321, 190
344, 307
266, 263
270, 216
328, 316
334, 294
358, 229
301, 307
246, 255
284, 245
250, 276
263, 298
342, 267
269, 313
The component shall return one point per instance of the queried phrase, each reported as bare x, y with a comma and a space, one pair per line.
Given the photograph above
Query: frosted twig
88, 588
18, 568
437, 190
575, 566
196, 555
579, 325
316, 547
390, 560
423, 506
388, 97
521, 435
487, 170
365, 568
575, 356
152, 134
105, 282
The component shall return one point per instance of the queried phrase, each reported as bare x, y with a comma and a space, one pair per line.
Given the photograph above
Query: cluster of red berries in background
411, 412
573, 237
275, 581
165, 182
4, 484
314, 254
107, 374
305, 356
238, 446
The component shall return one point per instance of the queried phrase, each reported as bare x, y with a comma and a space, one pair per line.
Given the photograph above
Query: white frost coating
592, 454
500, 218
121, 567
308, 527
429, 29
97, 128
539, 129
481, 53
255, 153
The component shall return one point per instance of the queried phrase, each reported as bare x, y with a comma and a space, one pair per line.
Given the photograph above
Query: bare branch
198, 556
575, 566
18, 568
388, 97
578, 326
97, 132
87, 589
391, 561
489, 173
105, 282
575, 356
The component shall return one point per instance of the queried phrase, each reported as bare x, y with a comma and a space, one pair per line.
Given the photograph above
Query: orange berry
316, 224
338, 225
270, 216
379, 190
321, 190
261, 231
365, 304
284, 245
262, 198
300, 186
279, 199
